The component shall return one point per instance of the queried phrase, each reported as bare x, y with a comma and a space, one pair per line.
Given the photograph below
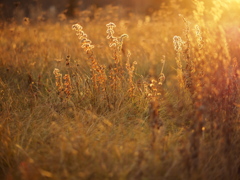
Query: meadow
113, 94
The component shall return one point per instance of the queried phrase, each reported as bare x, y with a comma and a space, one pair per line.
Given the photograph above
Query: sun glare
233, 1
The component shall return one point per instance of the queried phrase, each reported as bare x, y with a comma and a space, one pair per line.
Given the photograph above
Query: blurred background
52, 8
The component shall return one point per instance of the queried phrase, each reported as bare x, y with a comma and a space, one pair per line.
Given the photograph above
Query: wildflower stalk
58, 80
130, 69
116, 71
98, 71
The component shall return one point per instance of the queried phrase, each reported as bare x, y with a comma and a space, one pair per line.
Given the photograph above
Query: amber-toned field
117, 95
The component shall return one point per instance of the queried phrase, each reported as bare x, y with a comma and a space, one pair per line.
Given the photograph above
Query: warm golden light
128, 92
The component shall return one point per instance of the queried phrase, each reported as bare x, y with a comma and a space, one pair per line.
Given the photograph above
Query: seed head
111, 25
76, 27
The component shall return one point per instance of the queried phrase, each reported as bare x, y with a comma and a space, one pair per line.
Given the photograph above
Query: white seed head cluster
178, 42
115, 41
86, 43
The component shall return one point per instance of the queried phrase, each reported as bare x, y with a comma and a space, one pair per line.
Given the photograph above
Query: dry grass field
113, 96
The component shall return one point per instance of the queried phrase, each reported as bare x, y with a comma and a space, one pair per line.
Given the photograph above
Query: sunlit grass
139, 97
